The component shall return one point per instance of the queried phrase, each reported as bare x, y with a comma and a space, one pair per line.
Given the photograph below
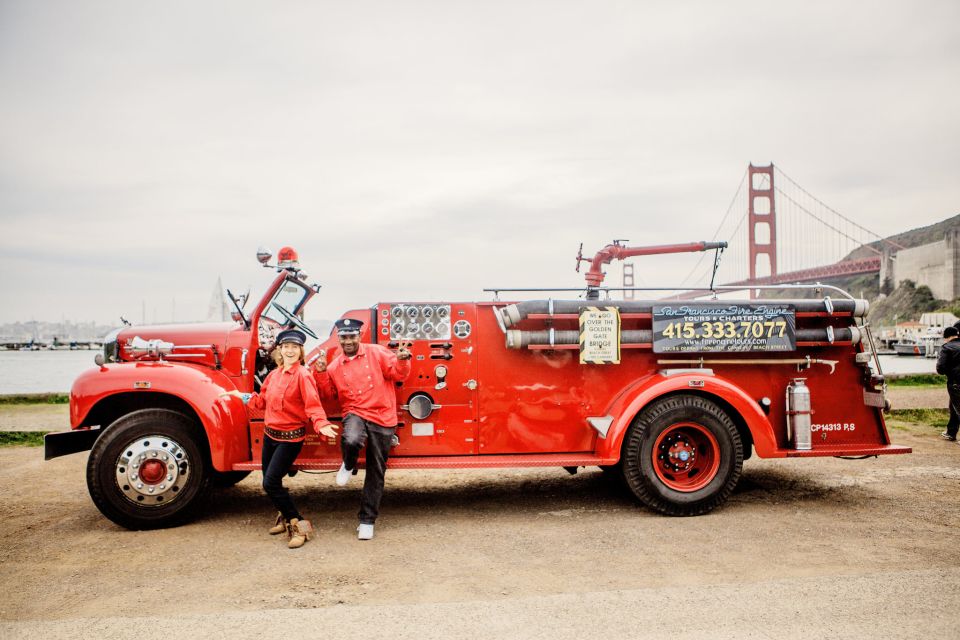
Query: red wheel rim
686, 457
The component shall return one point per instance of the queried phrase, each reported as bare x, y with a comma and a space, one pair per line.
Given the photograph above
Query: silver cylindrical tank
798, 415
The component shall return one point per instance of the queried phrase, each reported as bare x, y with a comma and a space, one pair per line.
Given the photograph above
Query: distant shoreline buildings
52, 333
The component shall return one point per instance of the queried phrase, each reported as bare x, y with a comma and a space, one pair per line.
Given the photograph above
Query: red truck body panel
505, 387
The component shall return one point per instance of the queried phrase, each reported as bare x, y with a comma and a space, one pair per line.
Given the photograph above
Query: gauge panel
419, 321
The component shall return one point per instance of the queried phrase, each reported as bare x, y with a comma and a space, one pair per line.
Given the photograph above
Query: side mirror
263, 256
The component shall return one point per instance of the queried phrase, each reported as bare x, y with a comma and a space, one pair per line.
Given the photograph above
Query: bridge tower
762, 221
628, 281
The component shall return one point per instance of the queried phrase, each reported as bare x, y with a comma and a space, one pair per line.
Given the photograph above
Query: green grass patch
21, 438
919, 380
35, 398
933, 417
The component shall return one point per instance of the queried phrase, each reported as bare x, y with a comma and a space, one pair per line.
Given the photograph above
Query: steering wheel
295, 321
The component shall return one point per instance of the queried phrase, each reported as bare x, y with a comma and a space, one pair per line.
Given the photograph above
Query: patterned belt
277, 434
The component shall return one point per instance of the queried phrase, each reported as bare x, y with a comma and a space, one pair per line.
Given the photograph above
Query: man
362, 378
948, 363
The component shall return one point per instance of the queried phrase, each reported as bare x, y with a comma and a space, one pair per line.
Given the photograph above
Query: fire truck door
439, 398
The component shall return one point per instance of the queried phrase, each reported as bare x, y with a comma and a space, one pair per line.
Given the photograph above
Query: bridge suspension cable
706, 270
837, 213
822, 221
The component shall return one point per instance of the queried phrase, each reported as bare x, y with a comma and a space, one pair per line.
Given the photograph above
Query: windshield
291, 297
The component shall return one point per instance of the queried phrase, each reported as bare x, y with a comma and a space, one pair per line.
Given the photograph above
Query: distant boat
909, 348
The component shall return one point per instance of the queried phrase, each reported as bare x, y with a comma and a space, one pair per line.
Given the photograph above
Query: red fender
224, 420
629, 403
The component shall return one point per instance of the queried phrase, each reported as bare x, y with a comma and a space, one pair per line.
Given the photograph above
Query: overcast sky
426, 150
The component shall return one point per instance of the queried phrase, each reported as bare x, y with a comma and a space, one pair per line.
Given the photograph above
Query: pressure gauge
441, 372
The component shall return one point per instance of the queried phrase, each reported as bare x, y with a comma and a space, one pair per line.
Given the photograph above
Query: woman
289, 397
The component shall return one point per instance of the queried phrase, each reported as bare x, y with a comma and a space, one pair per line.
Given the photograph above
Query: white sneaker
365, 531
343, 475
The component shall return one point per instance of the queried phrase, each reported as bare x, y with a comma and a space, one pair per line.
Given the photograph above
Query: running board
848, 450
456, 462
559, 459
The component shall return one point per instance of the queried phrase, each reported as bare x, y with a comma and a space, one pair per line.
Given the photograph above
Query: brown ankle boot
280, 526
300, 532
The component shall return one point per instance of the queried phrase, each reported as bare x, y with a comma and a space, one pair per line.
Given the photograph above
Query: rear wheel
682, 456
147, 470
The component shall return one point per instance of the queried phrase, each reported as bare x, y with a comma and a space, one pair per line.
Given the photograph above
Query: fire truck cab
671, 396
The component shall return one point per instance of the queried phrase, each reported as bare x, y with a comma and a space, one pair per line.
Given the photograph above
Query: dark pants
356, 433
277, 459
953, 389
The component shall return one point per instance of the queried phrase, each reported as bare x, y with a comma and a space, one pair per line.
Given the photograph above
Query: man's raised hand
320, 363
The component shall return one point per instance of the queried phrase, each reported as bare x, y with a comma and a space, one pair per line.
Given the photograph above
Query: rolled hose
516, 339
514, 313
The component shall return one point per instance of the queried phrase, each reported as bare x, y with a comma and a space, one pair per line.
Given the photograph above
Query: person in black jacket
948, 364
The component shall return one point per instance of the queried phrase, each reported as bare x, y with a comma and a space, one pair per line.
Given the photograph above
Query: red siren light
287, 258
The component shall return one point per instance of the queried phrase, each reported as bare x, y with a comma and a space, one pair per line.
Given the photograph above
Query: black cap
348, 326
951, 332
291, 335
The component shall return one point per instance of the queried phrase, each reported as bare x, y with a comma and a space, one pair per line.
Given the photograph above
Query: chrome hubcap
152, 470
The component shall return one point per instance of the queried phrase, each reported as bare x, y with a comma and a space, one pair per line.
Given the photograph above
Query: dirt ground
804, 548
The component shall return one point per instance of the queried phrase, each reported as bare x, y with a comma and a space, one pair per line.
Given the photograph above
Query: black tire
690, 426
226, 479
164, 448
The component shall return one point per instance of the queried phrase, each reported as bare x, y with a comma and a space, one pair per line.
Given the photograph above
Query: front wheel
147, 470
682, 456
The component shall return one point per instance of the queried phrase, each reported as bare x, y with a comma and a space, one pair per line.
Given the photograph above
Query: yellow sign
599, 335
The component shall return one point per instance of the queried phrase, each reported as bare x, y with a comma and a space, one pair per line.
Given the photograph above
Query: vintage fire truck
669, 396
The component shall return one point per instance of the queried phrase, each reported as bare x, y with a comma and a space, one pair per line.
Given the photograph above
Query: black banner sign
716, 326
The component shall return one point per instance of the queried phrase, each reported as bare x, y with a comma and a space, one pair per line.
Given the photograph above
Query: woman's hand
244, 397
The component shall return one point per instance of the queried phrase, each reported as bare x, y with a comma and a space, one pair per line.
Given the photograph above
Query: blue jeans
356, 433
277, 459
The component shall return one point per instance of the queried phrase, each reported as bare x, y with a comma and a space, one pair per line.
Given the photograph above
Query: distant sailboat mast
218, 311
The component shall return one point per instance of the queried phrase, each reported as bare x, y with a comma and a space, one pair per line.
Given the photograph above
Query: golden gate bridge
784, 234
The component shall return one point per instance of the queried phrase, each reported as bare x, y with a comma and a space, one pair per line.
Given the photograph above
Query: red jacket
364, 384
290, 399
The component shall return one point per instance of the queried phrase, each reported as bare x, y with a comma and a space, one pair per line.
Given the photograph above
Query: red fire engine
670, 395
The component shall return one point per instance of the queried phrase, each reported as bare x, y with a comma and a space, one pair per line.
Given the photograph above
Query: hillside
908, 239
